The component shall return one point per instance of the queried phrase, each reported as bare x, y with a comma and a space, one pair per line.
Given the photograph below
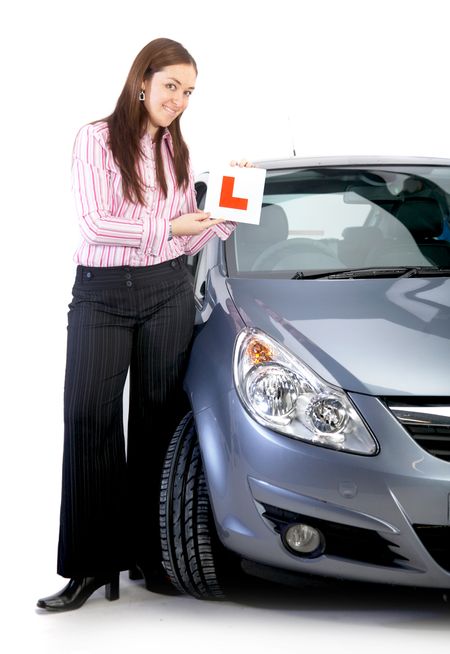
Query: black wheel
193, 557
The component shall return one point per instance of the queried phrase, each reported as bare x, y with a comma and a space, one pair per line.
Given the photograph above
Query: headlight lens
274, 391
282, 393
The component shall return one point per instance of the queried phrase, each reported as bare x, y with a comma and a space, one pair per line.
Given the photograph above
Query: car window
193, 259
200, 278
331, 214
336, 219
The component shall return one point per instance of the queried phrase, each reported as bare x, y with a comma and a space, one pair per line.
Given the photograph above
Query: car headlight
282, 393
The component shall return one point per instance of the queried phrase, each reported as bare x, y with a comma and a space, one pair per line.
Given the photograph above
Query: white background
338, 77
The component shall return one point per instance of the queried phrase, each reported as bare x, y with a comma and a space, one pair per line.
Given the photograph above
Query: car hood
377, 336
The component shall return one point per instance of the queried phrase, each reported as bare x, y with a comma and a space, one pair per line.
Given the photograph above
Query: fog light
304, 539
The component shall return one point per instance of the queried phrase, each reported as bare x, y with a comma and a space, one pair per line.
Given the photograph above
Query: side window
200, 278
200, 189
192, 260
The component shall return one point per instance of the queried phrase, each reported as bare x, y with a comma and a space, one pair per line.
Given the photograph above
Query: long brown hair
129, 119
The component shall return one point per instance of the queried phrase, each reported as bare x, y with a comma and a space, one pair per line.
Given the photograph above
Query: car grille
428, 423
436, 539
344, 541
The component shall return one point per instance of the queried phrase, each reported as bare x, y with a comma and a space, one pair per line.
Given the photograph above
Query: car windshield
331, 219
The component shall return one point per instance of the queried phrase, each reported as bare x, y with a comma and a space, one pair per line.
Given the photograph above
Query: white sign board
236, 194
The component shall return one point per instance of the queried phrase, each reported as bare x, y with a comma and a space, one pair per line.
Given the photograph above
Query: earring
142, 96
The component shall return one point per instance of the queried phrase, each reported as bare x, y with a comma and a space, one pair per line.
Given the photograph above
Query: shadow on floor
313, 594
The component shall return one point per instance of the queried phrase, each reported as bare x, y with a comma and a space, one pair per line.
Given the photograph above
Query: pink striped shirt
116, 232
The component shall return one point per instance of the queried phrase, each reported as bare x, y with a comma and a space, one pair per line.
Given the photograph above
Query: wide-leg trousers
121, 318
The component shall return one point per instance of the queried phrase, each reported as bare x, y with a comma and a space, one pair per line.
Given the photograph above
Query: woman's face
167, 94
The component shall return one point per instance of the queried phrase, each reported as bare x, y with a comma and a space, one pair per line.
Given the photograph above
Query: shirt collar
167, 137
146, 139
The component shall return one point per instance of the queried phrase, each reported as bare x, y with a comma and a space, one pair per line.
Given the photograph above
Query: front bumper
375, 512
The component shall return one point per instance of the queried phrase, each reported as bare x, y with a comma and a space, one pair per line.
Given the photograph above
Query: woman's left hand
243, 163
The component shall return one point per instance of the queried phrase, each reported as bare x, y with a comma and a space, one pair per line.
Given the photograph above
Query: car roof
354, 160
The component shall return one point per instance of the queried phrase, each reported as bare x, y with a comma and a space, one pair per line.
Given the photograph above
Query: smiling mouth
170, 111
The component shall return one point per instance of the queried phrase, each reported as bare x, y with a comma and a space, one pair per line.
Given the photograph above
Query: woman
133, 309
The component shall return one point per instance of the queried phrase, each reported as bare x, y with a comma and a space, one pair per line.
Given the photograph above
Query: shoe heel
112, 589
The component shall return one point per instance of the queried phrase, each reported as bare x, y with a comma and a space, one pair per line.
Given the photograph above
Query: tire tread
186, 519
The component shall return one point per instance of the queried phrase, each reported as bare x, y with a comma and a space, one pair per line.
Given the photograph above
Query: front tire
192, 553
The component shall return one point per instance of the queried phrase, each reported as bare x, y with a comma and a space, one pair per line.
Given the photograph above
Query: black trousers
120, 318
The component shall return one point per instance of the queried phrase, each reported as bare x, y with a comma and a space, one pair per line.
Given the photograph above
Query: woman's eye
172, 87
188, 93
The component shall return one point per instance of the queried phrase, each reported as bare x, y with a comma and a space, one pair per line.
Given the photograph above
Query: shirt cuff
157, 238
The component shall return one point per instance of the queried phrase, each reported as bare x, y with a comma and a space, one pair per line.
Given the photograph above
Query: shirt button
127, 275
129, 284
88, 275
173, 263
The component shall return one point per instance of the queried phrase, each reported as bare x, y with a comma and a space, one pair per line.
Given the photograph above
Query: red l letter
226, 196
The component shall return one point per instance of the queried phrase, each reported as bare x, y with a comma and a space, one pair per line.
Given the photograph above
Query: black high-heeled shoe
78, 591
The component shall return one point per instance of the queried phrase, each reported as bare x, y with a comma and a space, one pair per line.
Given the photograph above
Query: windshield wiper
368, 273
426, 271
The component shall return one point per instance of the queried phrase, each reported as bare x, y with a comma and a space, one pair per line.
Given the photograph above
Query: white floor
267, 618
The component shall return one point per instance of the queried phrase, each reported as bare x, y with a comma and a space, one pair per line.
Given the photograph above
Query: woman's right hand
191, 224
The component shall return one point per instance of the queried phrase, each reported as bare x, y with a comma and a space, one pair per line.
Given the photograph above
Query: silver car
318, 436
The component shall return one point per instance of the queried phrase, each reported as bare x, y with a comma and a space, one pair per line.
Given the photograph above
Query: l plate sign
236, 194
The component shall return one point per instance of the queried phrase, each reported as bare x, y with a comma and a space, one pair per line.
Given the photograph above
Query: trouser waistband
94, 276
